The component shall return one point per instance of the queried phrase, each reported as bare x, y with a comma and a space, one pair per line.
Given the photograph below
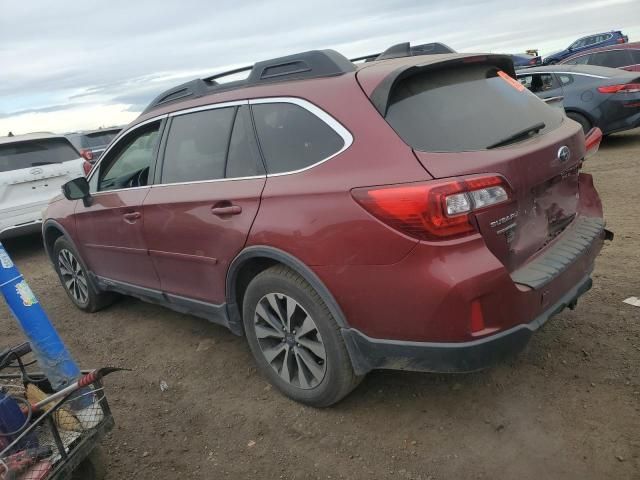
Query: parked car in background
587, 43
92, 143
625, 56
524, 60
342, 217
606, 98
33, 167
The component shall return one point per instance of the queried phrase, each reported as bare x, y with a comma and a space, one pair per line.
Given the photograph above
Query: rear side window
635, 57
612, 59
244, 157
197, 146
465, 108
538, 82
293, 138
14, 156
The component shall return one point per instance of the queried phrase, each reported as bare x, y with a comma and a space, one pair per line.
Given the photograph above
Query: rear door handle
131, 217
227, 210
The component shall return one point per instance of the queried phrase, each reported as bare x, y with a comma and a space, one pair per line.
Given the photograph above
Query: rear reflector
592, 142
433, 210
86, 166
477, 319
624, 88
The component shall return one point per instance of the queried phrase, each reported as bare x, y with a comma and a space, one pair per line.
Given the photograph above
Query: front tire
295, 340
75, 279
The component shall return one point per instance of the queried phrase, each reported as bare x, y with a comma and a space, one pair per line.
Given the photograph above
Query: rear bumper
368, 354
23, 221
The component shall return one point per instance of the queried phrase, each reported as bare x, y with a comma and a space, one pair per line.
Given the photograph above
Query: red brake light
624, 88
86, 154
592, 142
533, 61
86, 166
433, 210
620, 40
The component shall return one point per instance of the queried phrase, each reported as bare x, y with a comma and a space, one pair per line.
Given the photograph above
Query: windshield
466, 108
14, 156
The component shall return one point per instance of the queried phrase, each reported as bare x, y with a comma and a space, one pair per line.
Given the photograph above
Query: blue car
526, 60
587, 43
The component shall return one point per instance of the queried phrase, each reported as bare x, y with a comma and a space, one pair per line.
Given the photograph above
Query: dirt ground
568, 407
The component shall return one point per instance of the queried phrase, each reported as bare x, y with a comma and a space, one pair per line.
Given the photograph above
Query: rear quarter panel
312, 215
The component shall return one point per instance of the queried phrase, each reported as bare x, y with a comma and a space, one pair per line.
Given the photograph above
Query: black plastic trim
50, 223
209, 311
369, 353
235, 316
576, 239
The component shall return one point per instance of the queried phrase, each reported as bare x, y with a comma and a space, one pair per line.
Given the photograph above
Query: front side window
565, 79
127, 164
293, 138
197, 146
464, 108
580, 43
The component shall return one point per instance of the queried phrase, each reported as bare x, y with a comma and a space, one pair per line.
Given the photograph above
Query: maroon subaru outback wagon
424, 212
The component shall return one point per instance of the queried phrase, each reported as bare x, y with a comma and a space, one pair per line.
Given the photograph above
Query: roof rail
311, 64
406, 50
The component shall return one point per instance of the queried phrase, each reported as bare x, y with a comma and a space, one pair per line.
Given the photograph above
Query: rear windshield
98, 139
464, 108
14, 156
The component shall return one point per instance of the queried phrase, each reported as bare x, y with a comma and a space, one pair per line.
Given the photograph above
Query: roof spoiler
406, 50
380, 96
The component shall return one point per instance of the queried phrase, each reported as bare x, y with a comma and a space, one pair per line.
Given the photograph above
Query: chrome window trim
116, 140
563, 72
213, 106
215, 180
336, 126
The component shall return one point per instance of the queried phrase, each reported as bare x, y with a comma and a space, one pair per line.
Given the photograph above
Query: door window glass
197, 146
537, 82
127, 164
611, 59
244, 158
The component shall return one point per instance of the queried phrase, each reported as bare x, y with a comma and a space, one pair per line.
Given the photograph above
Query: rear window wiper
522, 133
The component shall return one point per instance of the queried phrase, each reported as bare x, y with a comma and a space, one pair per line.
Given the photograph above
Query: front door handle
131, 217
226, 210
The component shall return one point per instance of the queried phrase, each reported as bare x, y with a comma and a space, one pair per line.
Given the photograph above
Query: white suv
33, 167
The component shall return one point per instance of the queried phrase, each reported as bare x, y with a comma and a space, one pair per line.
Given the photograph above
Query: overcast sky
70, 65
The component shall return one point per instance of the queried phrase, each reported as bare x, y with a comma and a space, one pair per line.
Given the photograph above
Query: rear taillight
86, 154
620, 40
433, 210
623, 88
86, 166
592, 142
533, 61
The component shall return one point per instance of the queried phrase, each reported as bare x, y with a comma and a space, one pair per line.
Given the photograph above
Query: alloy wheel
73, 276
290, 340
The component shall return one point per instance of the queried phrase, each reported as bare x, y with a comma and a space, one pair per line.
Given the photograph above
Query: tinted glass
99, 139
581, 60
612, 59
14, 156
197, 146
243, 159
464, 108
537, 83
128, 163
635, 57
580, 43
293, 138
565, 79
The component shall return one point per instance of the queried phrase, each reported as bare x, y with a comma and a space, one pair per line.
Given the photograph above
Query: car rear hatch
32, 171
468, 116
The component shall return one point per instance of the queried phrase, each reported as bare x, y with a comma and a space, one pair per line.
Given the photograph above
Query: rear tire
295, 340
75, 279
581, 119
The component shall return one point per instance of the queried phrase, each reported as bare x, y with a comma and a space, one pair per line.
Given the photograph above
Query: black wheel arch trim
49, 223
258, 251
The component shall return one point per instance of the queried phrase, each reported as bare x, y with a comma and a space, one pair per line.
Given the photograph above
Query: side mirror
77, 189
